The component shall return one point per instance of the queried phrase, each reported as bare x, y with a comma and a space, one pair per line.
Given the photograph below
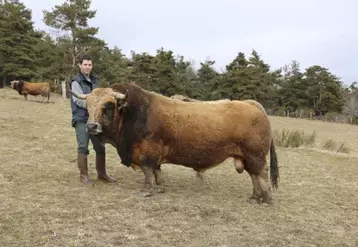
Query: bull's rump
201, 135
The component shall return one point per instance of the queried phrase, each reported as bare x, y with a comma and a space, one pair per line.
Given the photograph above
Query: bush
332, 146
294, 138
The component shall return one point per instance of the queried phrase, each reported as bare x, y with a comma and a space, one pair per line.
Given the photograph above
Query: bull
32, 88
149, 129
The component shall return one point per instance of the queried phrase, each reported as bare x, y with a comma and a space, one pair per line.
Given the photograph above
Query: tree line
35, 55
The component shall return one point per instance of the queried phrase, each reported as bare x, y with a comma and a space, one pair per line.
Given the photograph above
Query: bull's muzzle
93, 128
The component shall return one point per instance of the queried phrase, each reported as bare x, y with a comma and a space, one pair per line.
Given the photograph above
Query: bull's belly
198, 158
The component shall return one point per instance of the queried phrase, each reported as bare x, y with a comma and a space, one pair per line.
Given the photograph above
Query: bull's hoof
85, 180
268, 201
145, 193
253, 200
266, 198
159, 189
106, 178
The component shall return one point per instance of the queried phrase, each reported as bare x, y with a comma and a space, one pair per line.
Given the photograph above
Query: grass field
42, 202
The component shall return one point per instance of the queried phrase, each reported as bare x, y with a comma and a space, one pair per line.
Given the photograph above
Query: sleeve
75, 87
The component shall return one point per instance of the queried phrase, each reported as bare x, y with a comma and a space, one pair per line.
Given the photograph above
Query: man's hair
83, 57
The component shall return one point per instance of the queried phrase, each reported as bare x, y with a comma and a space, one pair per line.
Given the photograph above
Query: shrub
294, 138
332, 146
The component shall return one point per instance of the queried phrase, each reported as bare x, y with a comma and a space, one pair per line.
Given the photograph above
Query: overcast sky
322, 32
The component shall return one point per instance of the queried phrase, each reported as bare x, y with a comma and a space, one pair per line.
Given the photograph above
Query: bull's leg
256, 166
25, 96
256, 191
158, 180
148, 181
264, 184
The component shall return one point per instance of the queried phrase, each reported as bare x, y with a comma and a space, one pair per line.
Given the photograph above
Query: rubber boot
82, 166
101, 168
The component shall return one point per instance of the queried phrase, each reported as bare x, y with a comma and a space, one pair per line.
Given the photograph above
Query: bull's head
101, 105
13, 84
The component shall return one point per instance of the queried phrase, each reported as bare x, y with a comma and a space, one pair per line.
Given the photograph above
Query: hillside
43, 203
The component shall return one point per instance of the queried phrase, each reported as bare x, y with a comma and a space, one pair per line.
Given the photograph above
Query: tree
17, 41
166, 81
293, 90
208, 85
351, 102
48, 58
143, 70
112, 66
249, 79
324, 90
72, 19
186, 77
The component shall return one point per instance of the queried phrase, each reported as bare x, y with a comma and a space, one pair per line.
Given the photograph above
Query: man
85, 82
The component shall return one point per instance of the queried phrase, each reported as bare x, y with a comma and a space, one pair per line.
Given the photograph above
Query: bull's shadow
30, 100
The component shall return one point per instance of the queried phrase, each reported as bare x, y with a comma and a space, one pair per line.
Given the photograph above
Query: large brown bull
149, 129
32, 88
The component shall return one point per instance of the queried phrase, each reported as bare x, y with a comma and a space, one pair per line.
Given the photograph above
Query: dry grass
332, 146
294, 138
43, 203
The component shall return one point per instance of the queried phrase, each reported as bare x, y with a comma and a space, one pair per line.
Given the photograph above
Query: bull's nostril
92, 126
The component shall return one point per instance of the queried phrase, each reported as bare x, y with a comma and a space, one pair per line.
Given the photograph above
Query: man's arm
75, 87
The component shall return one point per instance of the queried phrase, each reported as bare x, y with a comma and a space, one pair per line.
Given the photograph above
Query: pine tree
72, 19
17, 42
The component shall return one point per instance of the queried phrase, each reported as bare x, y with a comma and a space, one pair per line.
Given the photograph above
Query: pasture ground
42, 202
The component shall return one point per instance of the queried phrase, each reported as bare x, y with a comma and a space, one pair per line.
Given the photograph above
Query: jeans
83, 140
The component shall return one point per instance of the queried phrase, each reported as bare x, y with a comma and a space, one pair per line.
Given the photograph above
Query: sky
313, 32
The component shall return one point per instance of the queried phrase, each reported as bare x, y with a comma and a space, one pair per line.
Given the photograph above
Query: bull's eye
108, 105
107, 112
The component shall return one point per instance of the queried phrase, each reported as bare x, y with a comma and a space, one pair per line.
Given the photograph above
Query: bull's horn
79, 95
119, 95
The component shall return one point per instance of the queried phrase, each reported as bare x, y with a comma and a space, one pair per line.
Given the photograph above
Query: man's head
85, 64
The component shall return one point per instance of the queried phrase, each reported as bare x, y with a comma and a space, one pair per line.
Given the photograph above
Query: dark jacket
80, 114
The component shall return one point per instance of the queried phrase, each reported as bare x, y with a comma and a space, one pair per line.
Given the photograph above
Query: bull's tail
274, 172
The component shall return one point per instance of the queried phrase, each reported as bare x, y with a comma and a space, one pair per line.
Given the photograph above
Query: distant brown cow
32, 88
149, 129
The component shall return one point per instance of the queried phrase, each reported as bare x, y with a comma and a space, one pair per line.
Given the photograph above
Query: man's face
86, 67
